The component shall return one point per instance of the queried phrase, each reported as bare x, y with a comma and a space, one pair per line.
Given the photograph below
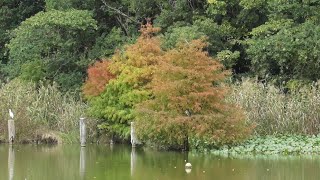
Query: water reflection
133, 159
187, 168
82, 163
11, 162
102, 162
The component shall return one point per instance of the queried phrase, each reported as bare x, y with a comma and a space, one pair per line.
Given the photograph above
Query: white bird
11, 114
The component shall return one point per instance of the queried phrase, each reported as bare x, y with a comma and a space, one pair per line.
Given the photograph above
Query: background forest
270, 47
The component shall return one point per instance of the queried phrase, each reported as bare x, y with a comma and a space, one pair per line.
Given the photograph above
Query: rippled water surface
68, 162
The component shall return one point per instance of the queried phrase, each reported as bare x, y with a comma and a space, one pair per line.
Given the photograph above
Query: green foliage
58, 40
228, 58
177, 12
12, 13
182, 35
33, 71
217, 7
219, 36
282, 48
297, 10
68, 4
58, 4
106, 44
286, 51
216, 33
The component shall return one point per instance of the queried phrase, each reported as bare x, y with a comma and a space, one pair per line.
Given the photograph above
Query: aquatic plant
289, 144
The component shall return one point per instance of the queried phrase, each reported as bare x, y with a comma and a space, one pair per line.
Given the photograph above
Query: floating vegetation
268, 145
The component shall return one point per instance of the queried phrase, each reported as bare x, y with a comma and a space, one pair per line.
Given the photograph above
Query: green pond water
71, 162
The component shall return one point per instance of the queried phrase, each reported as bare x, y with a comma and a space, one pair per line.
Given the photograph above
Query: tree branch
122, 25
119, 12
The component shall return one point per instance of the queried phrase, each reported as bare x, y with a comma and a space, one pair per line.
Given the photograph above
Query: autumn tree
189, 101
133, 68
98, 76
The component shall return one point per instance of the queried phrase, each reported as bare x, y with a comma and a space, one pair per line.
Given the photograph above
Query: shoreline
255, 146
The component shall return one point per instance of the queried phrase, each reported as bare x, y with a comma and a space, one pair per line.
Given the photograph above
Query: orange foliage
148, 31
136, 64
188, 79
98, 76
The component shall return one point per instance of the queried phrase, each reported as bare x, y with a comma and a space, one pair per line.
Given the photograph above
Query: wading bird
11, 114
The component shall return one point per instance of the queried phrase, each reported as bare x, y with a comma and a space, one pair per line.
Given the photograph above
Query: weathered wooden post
134, 140
11, 128
82, 162
11, 162
82, 132
11, 131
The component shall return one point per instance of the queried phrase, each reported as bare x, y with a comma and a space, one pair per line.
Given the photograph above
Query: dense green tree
55, 44
12, 13
69, 4
285, 48
284, 51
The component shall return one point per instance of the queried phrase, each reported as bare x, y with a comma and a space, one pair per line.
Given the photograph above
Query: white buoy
188, 165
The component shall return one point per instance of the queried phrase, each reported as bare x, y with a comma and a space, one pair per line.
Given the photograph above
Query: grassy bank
41, 113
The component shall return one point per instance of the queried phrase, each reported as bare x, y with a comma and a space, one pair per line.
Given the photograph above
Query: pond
71, 162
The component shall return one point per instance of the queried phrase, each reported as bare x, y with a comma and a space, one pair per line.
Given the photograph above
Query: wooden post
11, 131
82, 162
11, 163
82, 132
133, 135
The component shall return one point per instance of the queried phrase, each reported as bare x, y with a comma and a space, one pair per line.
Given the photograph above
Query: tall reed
275, 112
39, 110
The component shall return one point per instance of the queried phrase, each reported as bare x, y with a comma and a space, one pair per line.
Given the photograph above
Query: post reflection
11, 162
133, 160
82, 170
